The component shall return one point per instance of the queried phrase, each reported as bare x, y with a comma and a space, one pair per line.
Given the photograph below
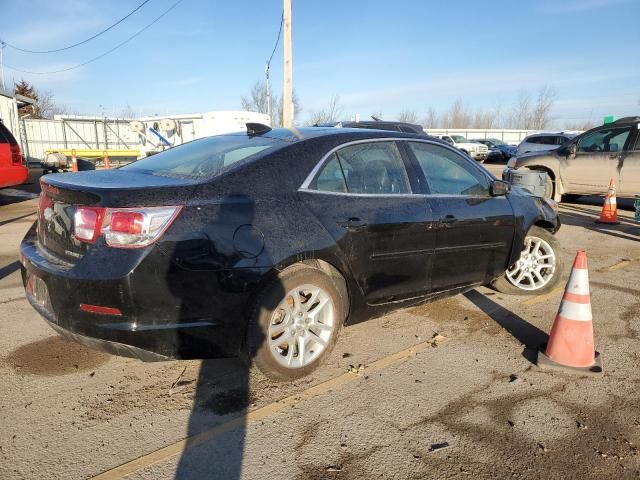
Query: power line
277, 40
103, 54
83, 41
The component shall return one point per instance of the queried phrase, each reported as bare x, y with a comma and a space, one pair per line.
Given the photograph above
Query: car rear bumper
115, 348
14, 175
182, 315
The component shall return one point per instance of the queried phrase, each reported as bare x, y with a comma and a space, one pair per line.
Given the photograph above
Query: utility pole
2, 44
269, 110
287, 90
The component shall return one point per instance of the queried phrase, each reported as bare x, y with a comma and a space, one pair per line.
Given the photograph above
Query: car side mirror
499, 188
573, 149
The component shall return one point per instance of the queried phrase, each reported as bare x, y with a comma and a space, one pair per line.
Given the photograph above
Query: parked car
13, 171
585, 164
264, 244
499, 152
539, 142
477, 151
378, 125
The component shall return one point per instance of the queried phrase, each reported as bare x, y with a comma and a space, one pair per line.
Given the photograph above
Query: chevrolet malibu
264, 244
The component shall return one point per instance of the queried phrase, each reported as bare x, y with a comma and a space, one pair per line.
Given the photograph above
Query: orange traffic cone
74, 161
570, 346
107, 163
609, 212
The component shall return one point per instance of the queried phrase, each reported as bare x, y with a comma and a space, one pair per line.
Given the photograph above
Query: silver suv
539, 142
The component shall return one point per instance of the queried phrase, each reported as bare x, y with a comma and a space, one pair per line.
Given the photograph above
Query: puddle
54, 356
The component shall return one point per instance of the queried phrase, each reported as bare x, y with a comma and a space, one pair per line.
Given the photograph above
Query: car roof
548, 134
294, 134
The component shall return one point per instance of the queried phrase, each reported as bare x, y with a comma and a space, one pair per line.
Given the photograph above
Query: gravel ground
444, 390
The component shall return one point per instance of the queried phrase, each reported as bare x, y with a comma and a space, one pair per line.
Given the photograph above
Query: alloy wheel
301, 326
536, 266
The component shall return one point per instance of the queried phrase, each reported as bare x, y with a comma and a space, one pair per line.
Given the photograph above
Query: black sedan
499, 152
263, 244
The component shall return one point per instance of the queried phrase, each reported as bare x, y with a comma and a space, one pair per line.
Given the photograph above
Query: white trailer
157, 134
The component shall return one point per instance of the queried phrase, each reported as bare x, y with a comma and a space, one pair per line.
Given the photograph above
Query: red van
12, 168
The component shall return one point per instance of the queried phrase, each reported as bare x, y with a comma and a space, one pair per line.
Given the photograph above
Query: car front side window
365, 168
610, 139
448, 173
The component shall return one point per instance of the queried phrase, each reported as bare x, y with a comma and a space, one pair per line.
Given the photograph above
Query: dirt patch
54, 356
229, 401
449, 312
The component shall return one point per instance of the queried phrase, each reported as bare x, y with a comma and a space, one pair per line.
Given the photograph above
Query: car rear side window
331, 178
371, 168
206, 157
447, 172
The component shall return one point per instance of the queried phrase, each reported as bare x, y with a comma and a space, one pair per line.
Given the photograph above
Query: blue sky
379, 56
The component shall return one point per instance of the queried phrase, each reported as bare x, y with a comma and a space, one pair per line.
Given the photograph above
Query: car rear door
363, 197
599, 157
630, 171
475, 230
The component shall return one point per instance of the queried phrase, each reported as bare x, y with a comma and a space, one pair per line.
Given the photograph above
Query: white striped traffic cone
570, 346
609, 213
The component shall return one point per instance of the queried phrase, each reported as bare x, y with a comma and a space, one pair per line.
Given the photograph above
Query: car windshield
206, 157
459, 139
495, 141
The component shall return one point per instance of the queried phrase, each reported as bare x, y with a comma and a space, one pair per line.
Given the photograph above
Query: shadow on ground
529, 335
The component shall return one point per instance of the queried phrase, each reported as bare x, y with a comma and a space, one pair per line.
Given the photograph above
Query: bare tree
543, 107
458, 116
128, 113
257, 101
521, 112
408, 116
44, 105
331, 113
432, 119
528, 115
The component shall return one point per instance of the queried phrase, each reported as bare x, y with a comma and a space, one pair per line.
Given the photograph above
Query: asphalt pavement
444, 390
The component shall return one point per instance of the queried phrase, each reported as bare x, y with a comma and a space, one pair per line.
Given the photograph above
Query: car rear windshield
6, 136
206, 157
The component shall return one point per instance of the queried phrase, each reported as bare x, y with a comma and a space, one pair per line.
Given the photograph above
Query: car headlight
513, 161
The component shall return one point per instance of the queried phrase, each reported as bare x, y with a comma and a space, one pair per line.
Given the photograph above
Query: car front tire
539, 268
296, 319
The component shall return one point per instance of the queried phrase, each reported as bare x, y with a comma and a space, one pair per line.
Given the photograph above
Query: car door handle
448, 220
354, 224
614, 155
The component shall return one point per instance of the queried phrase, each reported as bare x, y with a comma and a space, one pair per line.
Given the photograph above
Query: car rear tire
539, 268
296, 319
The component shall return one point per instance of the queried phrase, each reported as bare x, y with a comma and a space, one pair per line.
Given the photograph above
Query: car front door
363, 197
630, 171
599, 157
475, 230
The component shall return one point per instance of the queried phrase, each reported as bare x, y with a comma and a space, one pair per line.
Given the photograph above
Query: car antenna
375, 118
254, 129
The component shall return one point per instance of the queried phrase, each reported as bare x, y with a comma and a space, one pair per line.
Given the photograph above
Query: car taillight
123, 227
87, 222
16, 154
